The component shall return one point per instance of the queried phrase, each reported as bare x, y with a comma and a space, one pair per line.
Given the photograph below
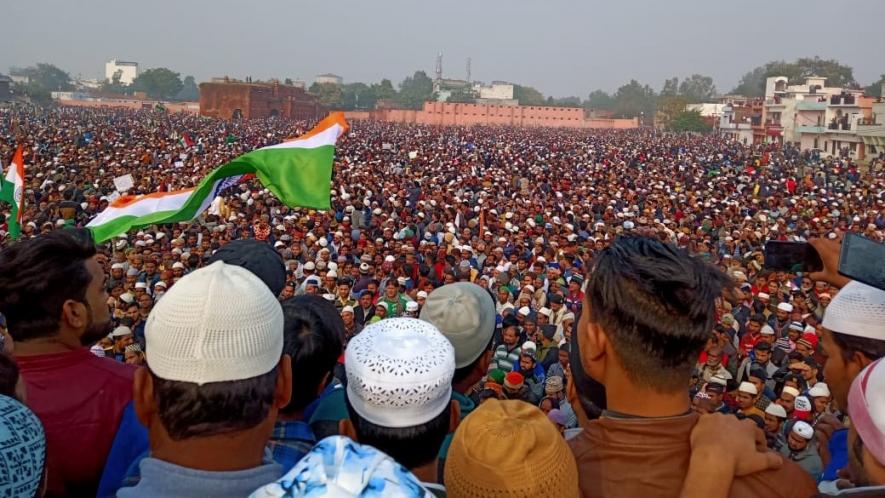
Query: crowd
483, 312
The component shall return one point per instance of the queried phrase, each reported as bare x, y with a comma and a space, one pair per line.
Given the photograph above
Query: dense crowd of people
483, 312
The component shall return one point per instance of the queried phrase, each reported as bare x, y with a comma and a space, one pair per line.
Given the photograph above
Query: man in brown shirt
649, 309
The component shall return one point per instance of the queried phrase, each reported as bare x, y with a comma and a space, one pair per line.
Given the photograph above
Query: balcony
843, 100
811, 129
811, 106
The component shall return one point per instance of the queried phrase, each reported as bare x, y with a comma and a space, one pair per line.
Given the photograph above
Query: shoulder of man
790, 481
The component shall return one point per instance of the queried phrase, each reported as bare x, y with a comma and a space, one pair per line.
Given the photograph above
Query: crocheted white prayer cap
220, 323
857, 310
399, 372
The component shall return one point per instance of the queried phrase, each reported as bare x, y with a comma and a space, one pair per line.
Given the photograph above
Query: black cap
556, 298
762, 346
548, 330
257, 257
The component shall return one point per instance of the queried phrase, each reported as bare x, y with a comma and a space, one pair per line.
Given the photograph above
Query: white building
814, 116
497, 90
329, 78
128, 71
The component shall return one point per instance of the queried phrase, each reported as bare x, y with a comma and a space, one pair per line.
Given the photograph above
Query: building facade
128, 71
814, 116
329, 78
230, 99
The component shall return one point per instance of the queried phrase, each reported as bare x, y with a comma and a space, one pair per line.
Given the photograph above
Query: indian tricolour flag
298, 172
12, 189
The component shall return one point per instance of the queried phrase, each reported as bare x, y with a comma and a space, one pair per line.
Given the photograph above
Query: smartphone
792, 257
863, 260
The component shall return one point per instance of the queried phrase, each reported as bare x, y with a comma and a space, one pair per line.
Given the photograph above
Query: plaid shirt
290, 442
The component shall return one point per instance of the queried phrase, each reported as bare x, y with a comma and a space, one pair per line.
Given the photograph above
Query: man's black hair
9, 374
38, 275
411, 446
656, 304
849, 344
187, 409
758, 318
313, 336
257, 257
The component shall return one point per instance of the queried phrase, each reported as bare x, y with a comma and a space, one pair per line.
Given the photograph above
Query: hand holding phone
863, 260
792, 257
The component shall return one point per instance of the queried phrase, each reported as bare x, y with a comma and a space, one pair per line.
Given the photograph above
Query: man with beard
53, 294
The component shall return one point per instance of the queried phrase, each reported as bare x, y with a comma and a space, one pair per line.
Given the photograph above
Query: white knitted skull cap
218, 324
399, 372
857, 310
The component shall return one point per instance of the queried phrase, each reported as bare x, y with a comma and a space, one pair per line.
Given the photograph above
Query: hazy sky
562, 47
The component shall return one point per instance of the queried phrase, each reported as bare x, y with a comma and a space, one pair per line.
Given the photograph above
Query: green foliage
635, 100
600, 99
671, 87
668, 108
329, 94
114, 86
158, 83
43, 79
189, 91
462, 96
527, 95
564, 102
415, 90
358, 96
752, 84
875, 90
384, 90
697, 88
688, 121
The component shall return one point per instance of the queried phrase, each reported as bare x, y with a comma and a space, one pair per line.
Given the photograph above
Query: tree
462, 96
287, 81
189, 90
875, 90
415, 90
357, 96
329, 94
668, 108
114, 85
527, 95
564, 102
752, 84
159, 83
671, 87
49, 78
600, 99
635, 100
688, 121
384, 90
697, 88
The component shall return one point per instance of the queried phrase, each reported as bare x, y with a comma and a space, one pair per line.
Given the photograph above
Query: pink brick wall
452, 114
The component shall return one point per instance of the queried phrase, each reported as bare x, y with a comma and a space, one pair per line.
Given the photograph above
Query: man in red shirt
752, 335
52, 292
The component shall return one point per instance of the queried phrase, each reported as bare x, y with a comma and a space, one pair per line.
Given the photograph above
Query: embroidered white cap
217, 324
399, 372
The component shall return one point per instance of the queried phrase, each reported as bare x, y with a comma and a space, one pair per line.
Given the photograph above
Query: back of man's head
313, 335
399, 388
655, 303
257, 257
38, 275
465, 314
213, 346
